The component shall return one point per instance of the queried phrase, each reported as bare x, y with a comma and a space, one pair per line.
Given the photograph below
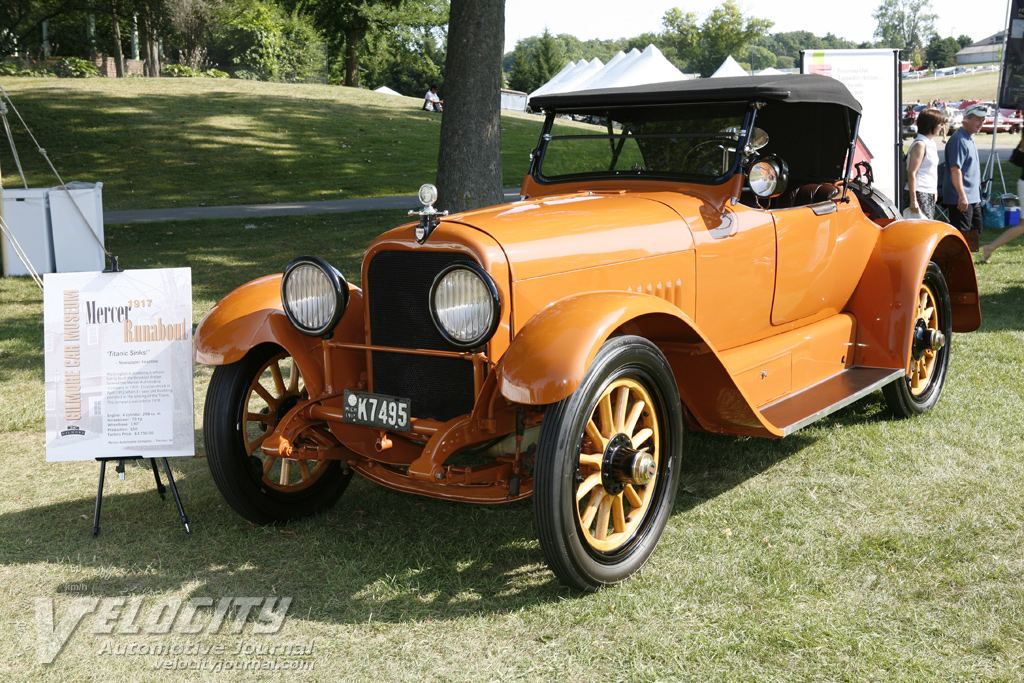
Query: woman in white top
923, 164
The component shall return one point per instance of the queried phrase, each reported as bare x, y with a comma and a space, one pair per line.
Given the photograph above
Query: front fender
552, 352
253, 314
885, 301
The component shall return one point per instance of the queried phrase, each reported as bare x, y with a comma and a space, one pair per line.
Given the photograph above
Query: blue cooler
1012, 216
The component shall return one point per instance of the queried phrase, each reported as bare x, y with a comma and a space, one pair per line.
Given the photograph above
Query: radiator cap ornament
430, 218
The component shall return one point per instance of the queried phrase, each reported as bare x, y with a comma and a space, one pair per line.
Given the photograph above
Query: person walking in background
923, 164
1017, 158
962, 194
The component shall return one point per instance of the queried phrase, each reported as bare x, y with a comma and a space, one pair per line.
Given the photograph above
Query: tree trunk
118, 53
154, 53
352, 40
469, 160
144, 45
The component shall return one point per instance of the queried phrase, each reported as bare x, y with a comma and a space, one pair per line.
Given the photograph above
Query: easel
114, 268
161, 489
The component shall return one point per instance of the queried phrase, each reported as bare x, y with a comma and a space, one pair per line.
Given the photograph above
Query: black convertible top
790, 88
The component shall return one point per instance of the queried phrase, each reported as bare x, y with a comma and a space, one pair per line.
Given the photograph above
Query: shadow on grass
225, 143
1001, 311
379, 555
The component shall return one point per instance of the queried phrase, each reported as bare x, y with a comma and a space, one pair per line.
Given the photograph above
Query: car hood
562, 233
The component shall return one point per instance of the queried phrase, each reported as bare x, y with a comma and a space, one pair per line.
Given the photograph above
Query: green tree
346, 24
964, 40
550, 57
942, 51
760, 58
407, 53
725, 32
905, 24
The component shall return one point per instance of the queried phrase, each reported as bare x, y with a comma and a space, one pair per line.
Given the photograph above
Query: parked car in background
1009, 121
706, 260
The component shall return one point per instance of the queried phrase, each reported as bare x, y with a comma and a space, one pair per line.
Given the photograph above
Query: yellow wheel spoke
621, 404
618, 515
293, 379
275, 372
605, 408
258, 441
634, 416
588, 484
587, 518
265, 395
603, 512
600, 441
258, 417
632, 497
304, 472
591, 460
286, 471
641, 436
268, 464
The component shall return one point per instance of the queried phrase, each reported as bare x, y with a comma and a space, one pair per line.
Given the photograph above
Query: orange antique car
698, 256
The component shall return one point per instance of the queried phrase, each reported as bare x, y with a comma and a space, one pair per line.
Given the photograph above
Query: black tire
579, 553
919, 390
261, 488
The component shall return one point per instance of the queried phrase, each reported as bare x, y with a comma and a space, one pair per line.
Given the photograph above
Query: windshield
696, 143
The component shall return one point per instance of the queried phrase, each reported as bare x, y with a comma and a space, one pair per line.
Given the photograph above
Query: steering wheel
703, 147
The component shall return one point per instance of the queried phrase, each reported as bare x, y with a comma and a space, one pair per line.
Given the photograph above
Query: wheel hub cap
926, 339
623, 464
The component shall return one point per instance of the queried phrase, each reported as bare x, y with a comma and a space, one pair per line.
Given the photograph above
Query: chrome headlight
314, 295
465, 304
769, 176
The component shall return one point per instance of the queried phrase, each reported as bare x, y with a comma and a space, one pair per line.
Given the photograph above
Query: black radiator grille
397, 293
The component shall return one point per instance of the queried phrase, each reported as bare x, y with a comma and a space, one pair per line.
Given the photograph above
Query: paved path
265, 210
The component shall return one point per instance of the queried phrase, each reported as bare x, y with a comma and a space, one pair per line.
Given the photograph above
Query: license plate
376, 410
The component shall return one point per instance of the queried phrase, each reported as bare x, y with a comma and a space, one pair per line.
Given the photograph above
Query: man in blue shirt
962, 194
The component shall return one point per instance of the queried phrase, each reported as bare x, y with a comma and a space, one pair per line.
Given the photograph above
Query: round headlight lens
465, 305
314, 295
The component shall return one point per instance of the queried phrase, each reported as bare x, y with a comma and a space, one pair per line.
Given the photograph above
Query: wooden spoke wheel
610, 508
245, 402
919, 390
607, 469
276, 388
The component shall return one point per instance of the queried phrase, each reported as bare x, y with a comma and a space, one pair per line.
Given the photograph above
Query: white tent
729, 68
770, 71
566, 72
581, 74
635, 68
650, 66
387, 91
618, 62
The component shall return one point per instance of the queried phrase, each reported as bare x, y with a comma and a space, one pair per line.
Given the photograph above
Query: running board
826, 397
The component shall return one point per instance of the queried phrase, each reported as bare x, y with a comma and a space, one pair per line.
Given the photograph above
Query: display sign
118, 363
873, 77
1011, 90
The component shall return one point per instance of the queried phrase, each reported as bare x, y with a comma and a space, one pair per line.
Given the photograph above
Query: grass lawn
157, 143
860, 549
979, 86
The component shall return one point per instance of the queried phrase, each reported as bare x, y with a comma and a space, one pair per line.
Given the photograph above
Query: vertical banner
873, 77
117, 353
1011, 90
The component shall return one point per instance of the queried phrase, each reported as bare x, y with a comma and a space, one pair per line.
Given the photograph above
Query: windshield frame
538, 154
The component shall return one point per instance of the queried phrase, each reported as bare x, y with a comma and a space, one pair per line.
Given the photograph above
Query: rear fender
884, 302
253, 314
552, 352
